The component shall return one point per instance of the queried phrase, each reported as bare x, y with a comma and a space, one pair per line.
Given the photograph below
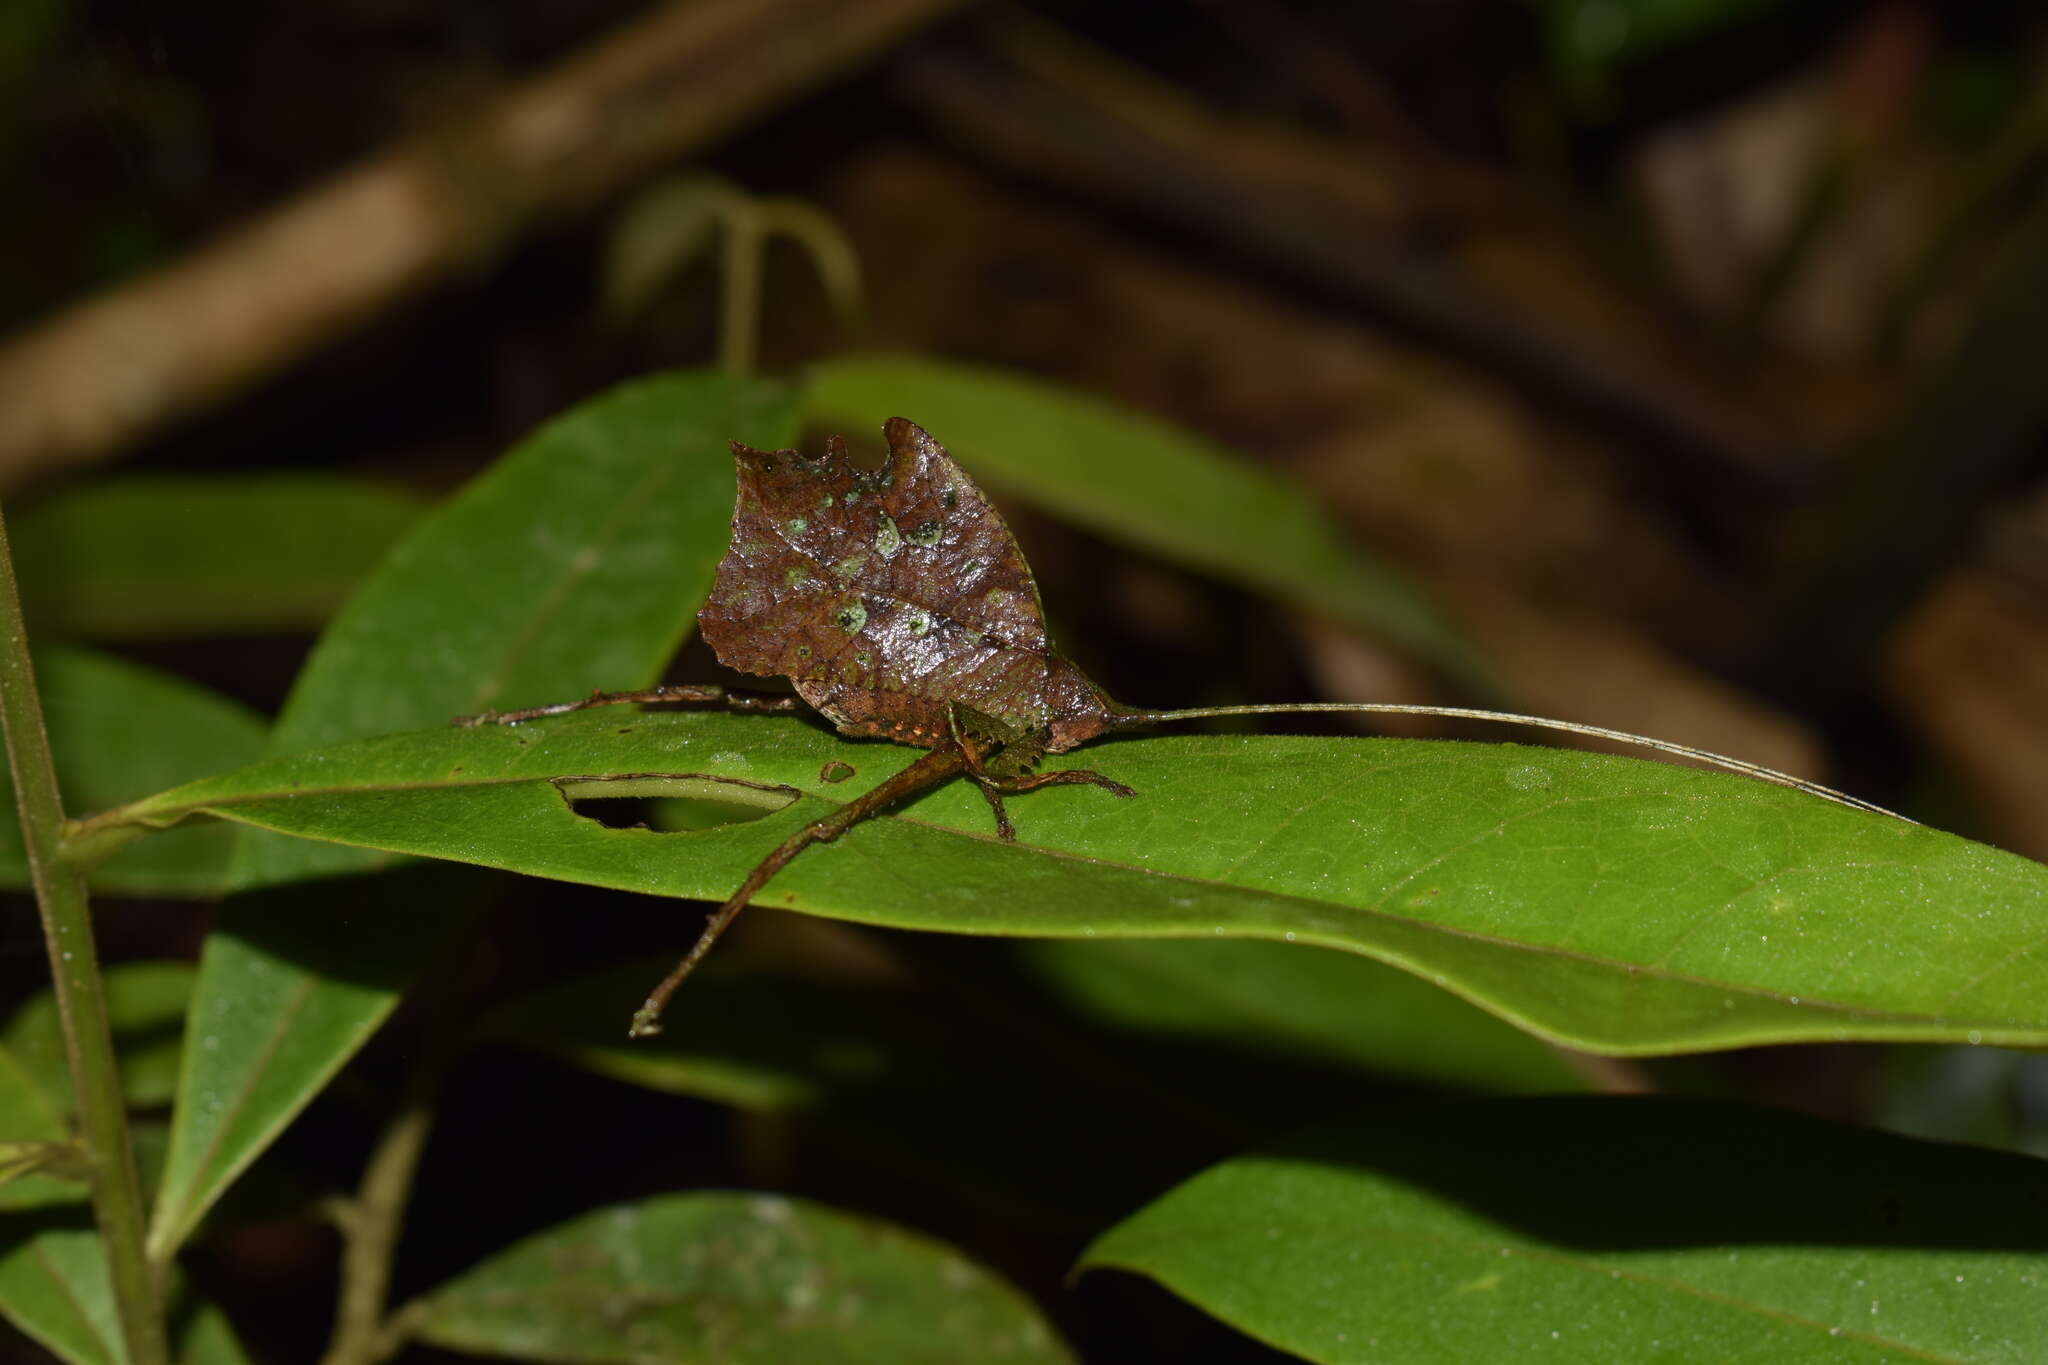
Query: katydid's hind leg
698, 694
934, 768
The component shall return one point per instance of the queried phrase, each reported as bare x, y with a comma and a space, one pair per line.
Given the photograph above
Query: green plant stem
832, 255
740, 291
81, 998
372, 1221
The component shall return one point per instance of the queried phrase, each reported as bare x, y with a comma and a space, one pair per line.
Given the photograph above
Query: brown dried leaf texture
890, 597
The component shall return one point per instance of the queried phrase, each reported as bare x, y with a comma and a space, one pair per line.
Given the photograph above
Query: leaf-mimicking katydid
898, 604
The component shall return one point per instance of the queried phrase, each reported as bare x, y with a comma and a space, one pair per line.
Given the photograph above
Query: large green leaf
1141, 482
744, 1279
157, 556
119, 731
1601, 1229
577, 561
1607, 903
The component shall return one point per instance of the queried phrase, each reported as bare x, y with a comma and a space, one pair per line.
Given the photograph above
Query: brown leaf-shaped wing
888, 596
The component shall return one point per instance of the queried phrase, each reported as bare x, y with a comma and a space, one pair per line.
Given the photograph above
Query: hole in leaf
671, 805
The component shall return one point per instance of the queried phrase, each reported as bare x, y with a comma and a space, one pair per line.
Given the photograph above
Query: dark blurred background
1687, 352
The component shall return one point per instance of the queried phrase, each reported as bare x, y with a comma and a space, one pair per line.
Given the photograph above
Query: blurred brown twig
111, 370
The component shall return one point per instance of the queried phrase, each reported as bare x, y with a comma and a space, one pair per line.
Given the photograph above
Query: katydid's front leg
1002, 768
700, 694
930, 770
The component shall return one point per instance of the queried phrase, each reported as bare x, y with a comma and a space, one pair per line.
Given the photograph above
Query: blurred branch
110, 371
1298, 46
1305, 210
1919, 487
2006, 175
1965, 670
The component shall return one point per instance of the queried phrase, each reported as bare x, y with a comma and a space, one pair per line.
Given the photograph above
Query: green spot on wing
888, 540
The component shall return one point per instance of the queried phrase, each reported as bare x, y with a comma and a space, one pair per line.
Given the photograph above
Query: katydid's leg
996, 788
1005, 831
1033, 781
930, 770
975, 754
684, 692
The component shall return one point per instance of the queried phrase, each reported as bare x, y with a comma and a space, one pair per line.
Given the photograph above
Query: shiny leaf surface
1607, 903
745, 1279
1608, 1229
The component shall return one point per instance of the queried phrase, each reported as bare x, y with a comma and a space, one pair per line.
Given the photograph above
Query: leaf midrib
168, 1214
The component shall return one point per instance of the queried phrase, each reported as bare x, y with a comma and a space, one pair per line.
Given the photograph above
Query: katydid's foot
1005, 831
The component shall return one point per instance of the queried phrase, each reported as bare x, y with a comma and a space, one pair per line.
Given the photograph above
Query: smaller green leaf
29, 1111
145, 1006
119, 731
1328, 1008
60, 1161
1587, 1229
54, 1287
30, 1116
203, 1336
168, 556
578, 560
661, 231
744, 1279
763, 1044
1144, 483
291, 984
